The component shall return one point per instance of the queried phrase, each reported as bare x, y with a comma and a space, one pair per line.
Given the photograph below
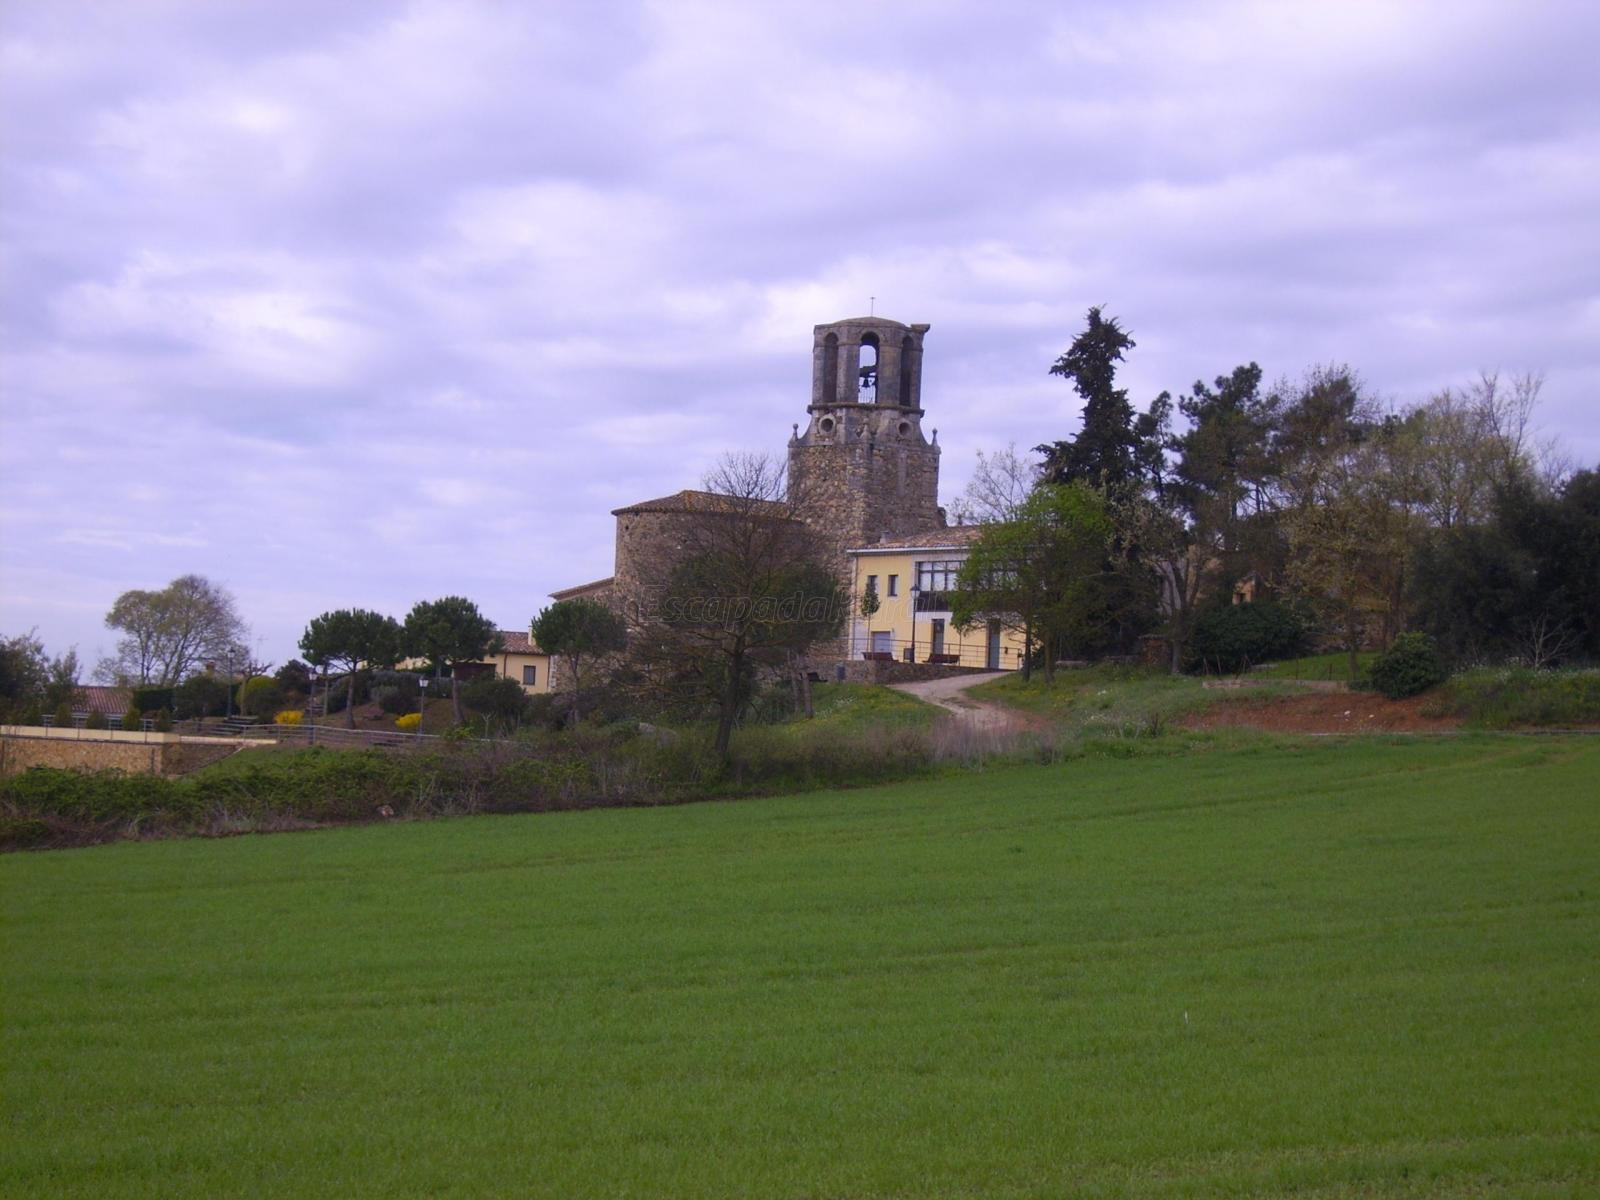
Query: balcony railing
933, 602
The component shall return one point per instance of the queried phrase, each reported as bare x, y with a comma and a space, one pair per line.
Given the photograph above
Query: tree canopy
169, 632
578, 631
348, 639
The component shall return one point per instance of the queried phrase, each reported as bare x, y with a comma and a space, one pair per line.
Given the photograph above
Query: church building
865, 474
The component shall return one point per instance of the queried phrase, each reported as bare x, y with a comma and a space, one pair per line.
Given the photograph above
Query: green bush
133, 719
200, 696
260, 696
63, 716
1520, 696
96, 720
164, 720
1410, 665
1234, 637
148, 699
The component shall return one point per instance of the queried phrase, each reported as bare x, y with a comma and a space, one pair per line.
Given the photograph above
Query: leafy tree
1043, 573
349, 639
1235, 637
170, 632
1112, 448
61, 684
294, 676
23, 670
1524, 585
200, 695
577, 632
446, 632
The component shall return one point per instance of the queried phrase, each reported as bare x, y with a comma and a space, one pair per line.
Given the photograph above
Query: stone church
863, 467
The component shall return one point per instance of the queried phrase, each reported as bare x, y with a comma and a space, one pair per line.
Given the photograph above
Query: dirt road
949, 694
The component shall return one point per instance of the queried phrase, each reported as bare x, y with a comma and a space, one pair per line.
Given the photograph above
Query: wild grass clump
1512, 697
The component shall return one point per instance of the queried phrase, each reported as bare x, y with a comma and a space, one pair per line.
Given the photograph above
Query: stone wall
22, 747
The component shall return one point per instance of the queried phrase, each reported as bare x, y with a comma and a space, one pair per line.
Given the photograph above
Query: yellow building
912, 579
520, 659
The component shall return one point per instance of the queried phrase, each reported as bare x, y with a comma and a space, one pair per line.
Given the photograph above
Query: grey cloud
368, 302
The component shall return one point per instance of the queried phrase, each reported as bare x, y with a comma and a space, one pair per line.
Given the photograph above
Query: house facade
520, 659
911, 580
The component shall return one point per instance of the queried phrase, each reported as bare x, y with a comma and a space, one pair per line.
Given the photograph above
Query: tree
579, 631
1112, 448
501, 702
446, 632
351, 638
1043, 573
170, 632
24, 670
999, 485
752, 587
201, 695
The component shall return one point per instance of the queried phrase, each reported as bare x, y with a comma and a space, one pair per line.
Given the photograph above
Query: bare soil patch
1326, 712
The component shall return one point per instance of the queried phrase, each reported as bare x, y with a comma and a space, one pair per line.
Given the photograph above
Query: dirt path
950, 694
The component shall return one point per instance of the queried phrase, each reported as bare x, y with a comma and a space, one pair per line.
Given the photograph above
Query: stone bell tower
862, 465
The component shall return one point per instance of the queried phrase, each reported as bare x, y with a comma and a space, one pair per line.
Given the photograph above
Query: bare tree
752, 586
1000, 483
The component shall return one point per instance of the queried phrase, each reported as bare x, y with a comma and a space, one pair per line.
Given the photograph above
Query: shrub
164, 720
496, 697
1520, 696
96, 720
1233, 637
200, 696
396, 692
63, 716
408, 722
1411, 665
148, 699
259, 696
294, 676
289, 716
133, 719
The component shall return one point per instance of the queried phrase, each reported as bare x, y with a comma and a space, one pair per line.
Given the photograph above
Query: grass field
1335, 666
1332, 970
1118, 701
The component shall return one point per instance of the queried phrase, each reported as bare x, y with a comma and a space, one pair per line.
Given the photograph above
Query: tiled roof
109, 701
944, 538
583, 589
518, 641
691, 501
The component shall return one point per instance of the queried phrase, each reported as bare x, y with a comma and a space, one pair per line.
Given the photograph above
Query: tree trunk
573, 715
350, 700
730, 706
805, 692
1177, 654
455, 696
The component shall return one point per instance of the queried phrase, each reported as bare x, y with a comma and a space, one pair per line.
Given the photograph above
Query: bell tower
862, 464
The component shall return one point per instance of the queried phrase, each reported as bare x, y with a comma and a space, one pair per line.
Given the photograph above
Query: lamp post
422, 701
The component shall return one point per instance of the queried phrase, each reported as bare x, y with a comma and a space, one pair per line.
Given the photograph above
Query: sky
361, 304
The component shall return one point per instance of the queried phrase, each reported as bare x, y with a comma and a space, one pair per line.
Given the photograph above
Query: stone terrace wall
22, 747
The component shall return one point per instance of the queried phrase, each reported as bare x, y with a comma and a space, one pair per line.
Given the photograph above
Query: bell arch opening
868, 368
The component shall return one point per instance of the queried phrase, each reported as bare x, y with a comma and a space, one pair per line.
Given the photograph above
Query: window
872, 585
939, 576
530, 676
894, 585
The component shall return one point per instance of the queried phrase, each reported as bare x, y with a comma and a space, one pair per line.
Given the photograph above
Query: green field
1333, 970
1334, 666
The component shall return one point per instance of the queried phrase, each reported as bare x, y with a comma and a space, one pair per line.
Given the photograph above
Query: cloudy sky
359, 304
